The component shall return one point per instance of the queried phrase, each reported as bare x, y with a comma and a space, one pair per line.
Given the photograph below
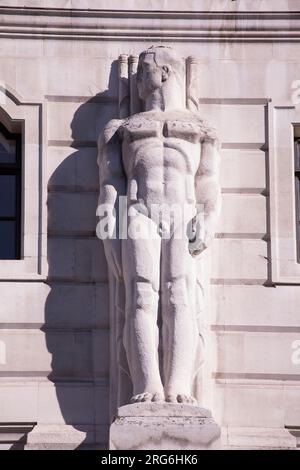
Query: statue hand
113, 253
200, 235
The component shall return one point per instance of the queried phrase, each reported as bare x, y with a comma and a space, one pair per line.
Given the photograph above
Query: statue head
159, 66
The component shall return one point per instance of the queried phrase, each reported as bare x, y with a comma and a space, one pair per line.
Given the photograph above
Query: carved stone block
164, 426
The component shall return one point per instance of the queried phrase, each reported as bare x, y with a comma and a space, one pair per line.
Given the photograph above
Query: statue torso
161, 155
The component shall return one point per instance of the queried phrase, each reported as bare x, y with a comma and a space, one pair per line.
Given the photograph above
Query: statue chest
161, 131
156, 144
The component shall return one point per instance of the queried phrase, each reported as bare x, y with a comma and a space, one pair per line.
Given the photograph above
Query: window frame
14, 169
283, 127
29, 119
297, 193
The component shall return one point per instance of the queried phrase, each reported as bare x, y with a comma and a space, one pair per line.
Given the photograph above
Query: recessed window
10, 194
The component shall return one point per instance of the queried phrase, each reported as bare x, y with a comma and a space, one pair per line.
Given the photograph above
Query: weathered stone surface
60, 437
236, 438
162, 409
154, 427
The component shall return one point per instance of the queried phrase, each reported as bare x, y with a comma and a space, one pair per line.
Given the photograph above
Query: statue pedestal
164, 426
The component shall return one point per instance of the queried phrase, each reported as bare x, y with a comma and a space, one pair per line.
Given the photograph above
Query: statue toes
171, 399
146, 397
181, 398
157, 397
136, 398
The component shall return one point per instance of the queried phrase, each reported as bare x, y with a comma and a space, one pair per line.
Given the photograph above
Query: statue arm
112, 182
208, 194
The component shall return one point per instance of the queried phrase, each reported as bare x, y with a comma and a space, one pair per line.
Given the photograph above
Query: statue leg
180, 333
141, 266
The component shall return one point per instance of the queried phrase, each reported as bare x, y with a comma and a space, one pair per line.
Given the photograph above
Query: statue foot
147, 397
181, 398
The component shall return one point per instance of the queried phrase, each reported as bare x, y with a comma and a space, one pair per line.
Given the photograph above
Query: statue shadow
76, 312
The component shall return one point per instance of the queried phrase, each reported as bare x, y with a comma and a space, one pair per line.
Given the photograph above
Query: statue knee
144, 297
176, 294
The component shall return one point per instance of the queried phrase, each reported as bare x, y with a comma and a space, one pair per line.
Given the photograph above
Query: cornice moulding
43, 23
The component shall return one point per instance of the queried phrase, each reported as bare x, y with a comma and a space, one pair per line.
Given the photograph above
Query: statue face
149, 76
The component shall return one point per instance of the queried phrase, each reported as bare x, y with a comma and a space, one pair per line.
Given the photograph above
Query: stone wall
56, 329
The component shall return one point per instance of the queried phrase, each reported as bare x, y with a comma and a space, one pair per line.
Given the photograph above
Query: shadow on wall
76, 316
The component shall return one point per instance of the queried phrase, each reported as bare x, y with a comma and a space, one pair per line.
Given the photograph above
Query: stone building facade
58, 87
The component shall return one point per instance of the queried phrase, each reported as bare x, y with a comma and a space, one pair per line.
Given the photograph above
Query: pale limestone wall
56, 332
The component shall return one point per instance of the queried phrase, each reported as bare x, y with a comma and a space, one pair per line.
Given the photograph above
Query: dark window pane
7, 150
7, 195
297, 156
298, 241
7, 240
298, 198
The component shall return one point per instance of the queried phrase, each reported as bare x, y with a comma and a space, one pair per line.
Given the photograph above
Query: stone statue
160, 161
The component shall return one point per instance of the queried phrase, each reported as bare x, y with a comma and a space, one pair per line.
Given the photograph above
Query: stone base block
61, 437
237, 438
164, 426
14, 436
